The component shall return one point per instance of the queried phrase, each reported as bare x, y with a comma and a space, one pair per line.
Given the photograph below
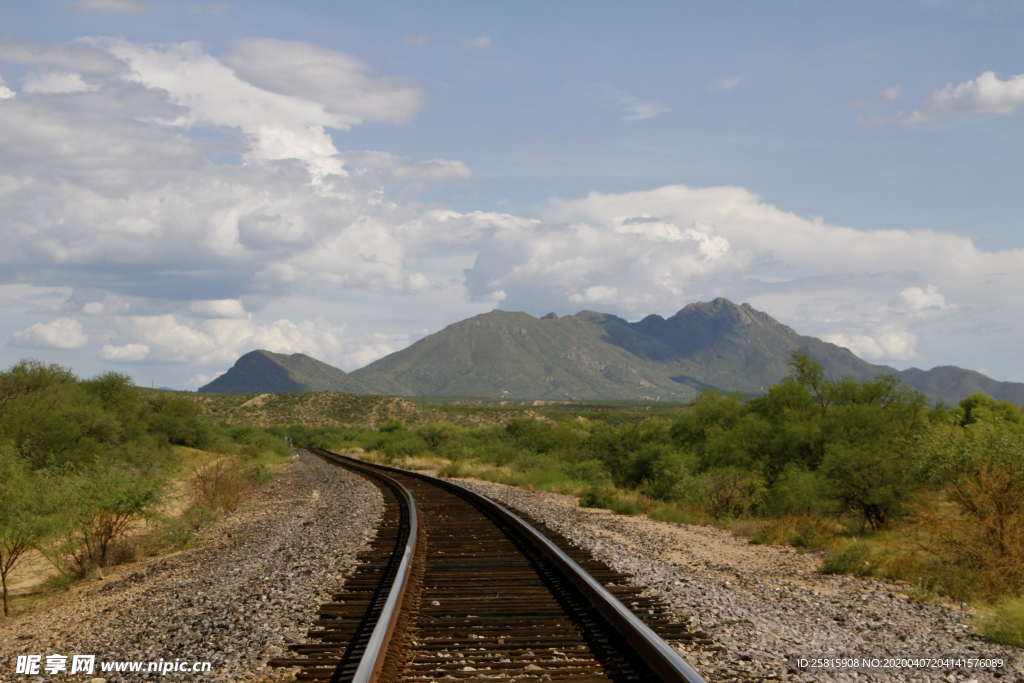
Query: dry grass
220, 485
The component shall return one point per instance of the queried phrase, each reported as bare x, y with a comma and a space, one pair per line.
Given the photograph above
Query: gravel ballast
763, 604
252, 587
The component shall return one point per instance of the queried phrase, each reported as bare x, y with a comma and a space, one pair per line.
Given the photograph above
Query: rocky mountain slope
592, 356
263, 371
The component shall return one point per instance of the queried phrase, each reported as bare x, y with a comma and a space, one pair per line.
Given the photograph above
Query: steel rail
372, 660
649, 646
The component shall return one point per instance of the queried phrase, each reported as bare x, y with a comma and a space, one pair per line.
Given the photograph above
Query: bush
220, 485
437, 433
982, 467
1003, 623
802, 492
670, 513
101, 504
402, 444
875, 480
855, 558
800, 532
670, 476
731, 491
609, 498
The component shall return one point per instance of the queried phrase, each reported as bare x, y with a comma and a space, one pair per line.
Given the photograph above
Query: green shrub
670, 476
803, 492
609, 498
731, 491
1004, 622
670, 513
436, 434
100, 505
853, 559
177, 534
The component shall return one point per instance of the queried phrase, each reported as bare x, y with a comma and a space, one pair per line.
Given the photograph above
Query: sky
183, 182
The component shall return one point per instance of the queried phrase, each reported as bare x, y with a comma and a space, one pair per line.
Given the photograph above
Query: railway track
458, 587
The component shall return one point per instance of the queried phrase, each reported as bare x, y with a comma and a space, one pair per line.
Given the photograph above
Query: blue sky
183, 181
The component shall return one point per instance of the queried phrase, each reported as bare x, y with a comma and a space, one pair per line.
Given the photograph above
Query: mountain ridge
596, 356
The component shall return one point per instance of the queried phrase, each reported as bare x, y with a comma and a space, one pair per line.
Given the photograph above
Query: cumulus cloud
386, 169
128, 189
62, 333
646, 259
879, 292
340, 83
478, 43
728, 82
217, 308
56, 82
109, 6
892, 93
595, 293
5, 92
126, 353
886, 343
986, 94
921, 299
217, 341
73, 57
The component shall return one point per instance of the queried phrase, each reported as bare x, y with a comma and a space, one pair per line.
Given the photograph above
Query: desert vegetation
868, 472
83, 462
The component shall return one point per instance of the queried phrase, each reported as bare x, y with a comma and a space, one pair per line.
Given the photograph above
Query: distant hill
596, 356
263, 371
950, 384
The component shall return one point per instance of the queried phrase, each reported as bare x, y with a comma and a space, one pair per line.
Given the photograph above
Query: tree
23, 520
102, 502
808, 373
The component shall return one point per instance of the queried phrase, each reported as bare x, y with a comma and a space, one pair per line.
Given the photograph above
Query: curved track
457, 586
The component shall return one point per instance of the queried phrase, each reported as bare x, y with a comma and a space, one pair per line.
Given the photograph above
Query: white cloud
663, 248
986, 94
126, 353
75, 57
478, 43
886, 343
646, 259
222, 340
281, 94
62, 333
342, 84
33, 299
109, 6
384, 168
632, 108
112, 181
918, 299
892, 93
56, 82
638, 110
728, 82
419, 40
595, 293
218, 308
5, 92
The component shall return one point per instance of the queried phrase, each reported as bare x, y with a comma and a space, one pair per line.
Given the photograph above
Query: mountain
594, 356
949, 384
514, 355
263, 371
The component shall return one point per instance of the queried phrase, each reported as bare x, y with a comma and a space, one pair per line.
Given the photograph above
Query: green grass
1003, 622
